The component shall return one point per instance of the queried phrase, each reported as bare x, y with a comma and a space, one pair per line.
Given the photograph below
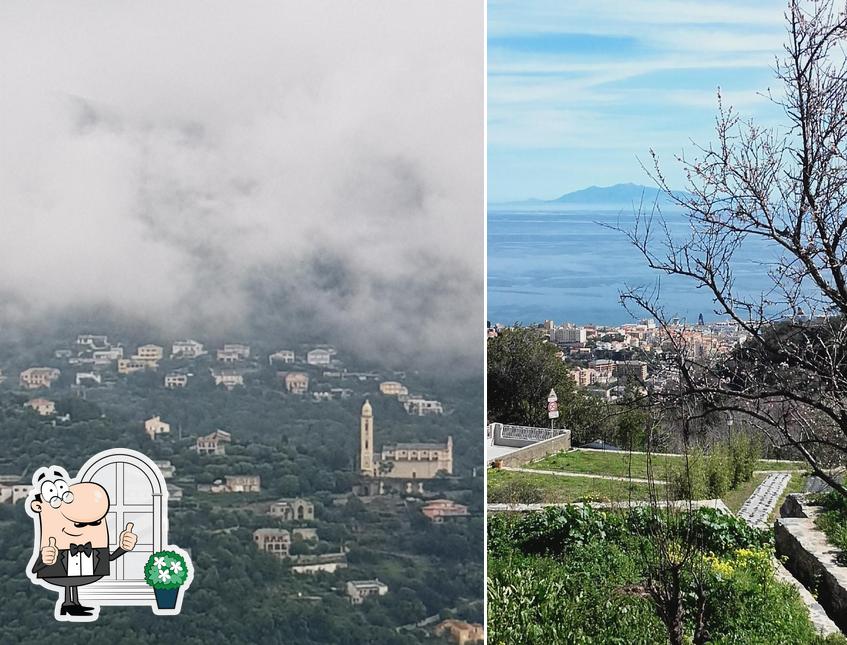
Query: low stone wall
811, 559
537, 450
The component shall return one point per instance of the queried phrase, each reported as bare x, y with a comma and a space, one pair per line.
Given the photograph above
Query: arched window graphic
300, 512
138, 494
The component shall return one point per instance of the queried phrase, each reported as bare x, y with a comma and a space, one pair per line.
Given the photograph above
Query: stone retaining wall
811, 558
537, 450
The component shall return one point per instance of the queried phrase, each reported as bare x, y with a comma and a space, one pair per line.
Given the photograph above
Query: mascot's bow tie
81, 548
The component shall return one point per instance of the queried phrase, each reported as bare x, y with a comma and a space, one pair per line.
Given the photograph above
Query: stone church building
409, 463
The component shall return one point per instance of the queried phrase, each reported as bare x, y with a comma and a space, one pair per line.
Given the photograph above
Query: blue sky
579, 91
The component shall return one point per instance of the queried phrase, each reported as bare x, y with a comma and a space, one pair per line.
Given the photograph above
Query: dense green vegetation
522, 369
577, 575
298, 447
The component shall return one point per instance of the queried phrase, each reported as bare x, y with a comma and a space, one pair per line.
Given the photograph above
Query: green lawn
519, 487
623, 464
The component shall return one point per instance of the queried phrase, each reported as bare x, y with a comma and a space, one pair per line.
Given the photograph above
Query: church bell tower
366, 441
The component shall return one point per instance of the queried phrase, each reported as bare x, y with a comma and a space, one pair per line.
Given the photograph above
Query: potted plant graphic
166, 571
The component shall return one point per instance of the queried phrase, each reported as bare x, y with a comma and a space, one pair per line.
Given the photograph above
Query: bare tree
673, 559
772, 192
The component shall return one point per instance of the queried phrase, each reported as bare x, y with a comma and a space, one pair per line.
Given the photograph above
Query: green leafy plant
166, 570
833, 522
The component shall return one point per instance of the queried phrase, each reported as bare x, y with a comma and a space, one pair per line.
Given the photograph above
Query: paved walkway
564, 473
493, 452
757, 509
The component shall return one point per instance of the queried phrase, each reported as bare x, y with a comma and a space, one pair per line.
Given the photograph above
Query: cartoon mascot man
74, 537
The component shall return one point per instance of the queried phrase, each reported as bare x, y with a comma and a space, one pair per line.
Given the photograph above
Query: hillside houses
233, 484
212, 444
44, 407
291, 509
36, 378
132, 365
105, 357
460, 632
320, 356
393, 388
89, 379
166, 468
92, 341
12, 490
176, 380
155, 426
358, 590
233, 353
228, 378
150, 353
285, 356
187, 349
277, 542
439, 511
295, 382
423, 407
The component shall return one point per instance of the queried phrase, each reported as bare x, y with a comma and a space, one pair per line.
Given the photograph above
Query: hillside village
606, 359
320, 504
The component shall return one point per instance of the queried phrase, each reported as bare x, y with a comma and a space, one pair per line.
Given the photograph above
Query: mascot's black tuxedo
100, 559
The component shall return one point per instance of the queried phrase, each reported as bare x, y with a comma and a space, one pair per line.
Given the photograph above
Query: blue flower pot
166, 598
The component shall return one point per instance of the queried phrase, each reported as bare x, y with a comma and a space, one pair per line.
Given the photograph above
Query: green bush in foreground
556, 529
579, 575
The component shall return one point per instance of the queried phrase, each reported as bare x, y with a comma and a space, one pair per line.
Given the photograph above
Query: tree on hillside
522, 369
784, 191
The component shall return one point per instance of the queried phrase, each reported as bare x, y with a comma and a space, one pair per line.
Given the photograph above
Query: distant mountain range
619, 194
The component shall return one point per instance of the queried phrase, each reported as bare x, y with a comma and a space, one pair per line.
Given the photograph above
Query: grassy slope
512, 486
619, 464
554, 488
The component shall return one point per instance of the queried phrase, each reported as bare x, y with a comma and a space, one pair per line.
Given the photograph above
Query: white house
282, 356
358, 590
320, 356
228, 378
88, 378
423, 407
175, 380
93, 341
187, 349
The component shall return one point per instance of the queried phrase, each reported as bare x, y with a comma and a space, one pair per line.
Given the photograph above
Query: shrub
689, 478
719, 472
744, 451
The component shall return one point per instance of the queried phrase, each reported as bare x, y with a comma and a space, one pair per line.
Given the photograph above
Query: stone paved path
757, 509
564, 473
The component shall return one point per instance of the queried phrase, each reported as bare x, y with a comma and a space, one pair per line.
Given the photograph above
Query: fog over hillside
291, 168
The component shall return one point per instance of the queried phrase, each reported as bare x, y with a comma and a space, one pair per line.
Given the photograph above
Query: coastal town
604, 360
173, 400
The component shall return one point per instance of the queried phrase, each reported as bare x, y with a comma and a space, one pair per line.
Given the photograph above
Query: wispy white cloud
619, 77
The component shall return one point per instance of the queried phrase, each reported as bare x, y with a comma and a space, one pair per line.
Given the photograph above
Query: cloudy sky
579, 90
204, 165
